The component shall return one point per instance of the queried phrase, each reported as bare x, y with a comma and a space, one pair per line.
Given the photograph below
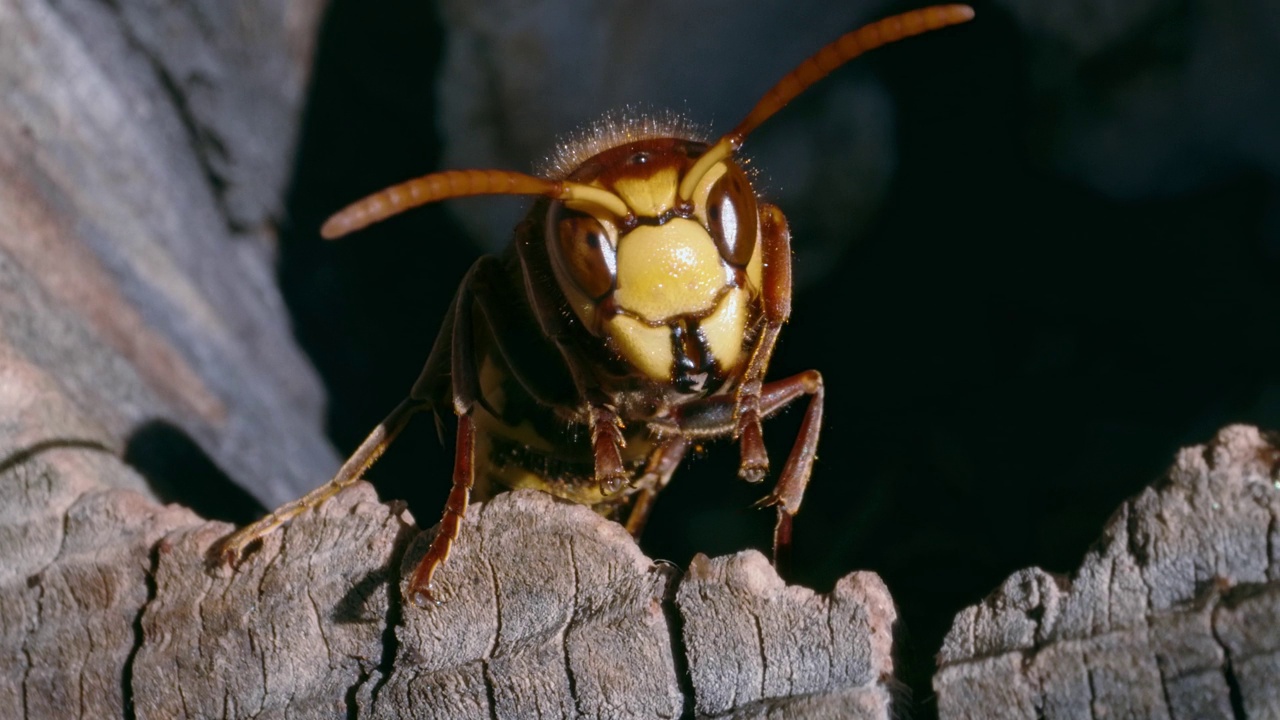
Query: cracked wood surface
109, 609
1174, 614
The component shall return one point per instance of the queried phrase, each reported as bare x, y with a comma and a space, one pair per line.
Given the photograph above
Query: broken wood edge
314, 622
1143, 626
1174, 613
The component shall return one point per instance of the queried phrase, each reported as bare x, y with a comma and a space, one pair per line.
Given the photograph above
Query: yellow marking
716, 172
649, 196
668, 270
491, 477
581, 489
725, 327
755, 266
590, 199
647, 348
715, 154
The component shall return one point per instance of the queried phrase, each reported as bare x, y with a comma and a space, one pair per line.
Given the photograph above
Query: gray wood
547, 610
144, 148
1175, 613
291, 633
750, 637
73, 577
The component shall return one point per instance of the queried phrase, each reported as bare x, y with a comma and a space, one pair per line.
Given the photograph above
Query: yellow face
669, 286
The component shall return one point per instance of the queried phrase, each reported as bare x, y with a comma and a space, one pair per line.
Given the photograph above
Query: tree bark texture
1174, 614
109, 607
547, 610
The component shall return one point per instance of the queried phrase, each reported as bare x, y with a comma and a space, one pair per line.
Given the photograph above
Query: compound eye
586, 253
731, 217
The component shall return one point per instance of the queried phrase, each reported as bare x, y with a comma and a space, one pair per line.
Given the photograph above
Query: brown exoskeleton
634, 313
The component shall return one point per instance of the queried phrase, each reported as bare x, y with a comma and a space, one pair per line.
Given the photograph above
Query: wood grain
144, 152
548, 610
1174, 614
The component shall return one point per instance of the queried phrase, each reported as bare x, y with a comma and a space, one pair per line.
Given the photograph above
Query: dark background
1008, 353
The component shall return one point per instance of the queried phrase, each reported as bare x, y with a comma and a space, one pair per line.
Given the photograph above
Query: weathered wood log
110, 608
107, 607
144, 148
1175, 613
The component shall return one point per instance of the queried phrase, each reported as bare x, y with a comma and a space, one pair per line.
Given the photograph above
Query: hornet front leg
755, 400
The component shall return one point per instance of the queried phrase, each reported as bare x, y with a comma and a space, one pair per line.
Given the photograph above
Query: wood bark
111, 609
1174, 614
